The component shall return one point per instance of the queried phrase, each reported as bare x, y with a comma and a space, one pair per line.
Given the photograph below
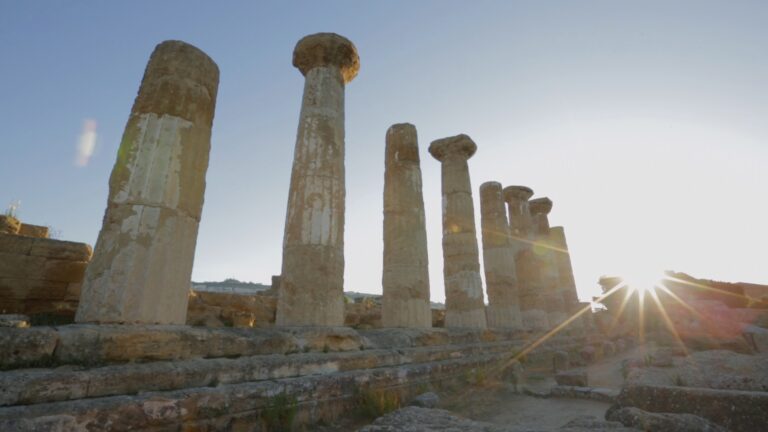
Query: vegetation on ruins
370, 404
279, 413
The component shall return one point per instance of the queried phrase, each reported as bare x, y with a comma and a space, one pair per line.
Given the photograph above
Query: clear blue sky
645, 122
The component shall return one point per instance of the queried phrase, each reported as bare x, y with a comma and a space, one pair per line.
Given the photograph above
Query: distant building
230, 286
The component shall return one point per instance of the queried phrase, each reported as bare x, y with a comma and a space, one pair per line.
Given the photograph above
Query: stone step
32, 386
83, 344
232, 406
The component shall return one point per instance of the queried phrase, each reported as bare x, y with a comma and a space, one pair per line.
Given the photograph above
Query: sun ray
622, 306
667, 320
530, 347
677, 298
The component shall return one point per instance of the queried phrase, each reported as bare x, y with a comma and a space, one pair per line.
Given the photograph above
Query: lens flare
86, 144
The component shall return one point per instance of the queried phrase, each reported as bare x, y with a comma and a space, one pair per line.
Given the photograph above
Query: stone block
9, 225
14, 320
426, 400
737, 411
37, 231
560, 361
34, 289
20, 347
64, 271
21, 266
661, 422
576, 378
14, 244
62, 250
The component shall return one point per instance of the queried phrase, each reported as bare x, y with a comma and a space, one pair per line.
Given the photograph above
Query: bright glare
646, 281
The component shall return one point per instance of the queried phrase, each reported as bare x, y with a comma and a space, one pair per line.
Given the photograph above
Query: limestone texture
545, 254
566, 281
38, 231
312, 277
498, 258
461, 265
41, 276
405, 278
532, 301
142, 262
9, 225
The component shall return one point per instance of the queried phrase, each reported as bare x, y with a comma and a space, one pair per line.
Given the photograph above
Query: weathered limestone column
534, 317
545, 252
312, 279
405, 278
461, 266
142, 262
564, 269
498, 258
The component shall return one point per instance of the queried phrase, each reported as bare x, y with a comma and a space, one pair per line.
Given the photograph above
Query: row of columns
142, 262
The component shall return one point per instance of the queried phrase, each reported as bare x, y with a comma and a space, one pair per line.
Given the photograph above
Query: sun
642, 281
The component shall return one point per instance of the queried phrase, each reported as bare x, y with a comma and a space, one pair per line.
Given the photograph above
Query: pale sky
645, 122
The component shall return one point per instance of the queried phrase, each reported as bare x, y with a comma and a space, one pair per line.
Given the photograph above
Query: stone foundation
168, 377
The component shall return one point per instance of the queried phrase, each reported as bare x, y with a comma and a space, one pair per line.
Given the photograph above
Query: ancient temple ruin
302, 353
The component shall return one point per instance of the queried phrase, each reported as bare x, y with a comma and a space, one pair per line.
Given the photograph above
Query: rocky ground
539, 403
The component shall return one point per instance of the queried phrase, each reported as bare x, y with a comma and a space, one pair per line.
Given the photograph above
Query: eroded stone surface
461, 266
498, 258
545, 251
405, 278
312, 278
662, 422
532, 302
140, 272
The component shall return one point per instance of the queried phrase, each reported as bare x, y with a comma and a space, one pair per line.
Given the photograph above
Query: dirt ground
495, 403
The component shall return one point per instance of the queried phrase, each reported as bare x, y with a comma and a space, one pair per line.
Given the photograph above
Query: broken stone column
461, 266
534, 317
498, 259
142, 262
545, 251
405, 277
312, 280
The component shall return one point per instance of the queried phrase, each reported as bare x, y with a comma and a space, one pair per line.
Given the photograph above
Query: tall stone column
498, 258
545, 252
405, 278
312, 281
461, 265
566, 281
142, 262
564, 268
527, 267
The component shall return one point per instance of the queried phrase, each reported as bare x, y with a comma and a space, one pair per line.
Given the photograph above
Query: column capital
517, 193
460, 146
541, 206
327, 49
490, 187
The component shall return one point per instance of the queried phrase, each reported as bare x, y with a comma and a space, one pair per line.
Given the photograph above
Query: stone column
545, 252
461, 266
534, 317
405, 278
312, 279
498, 258
564, 269
142, 262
